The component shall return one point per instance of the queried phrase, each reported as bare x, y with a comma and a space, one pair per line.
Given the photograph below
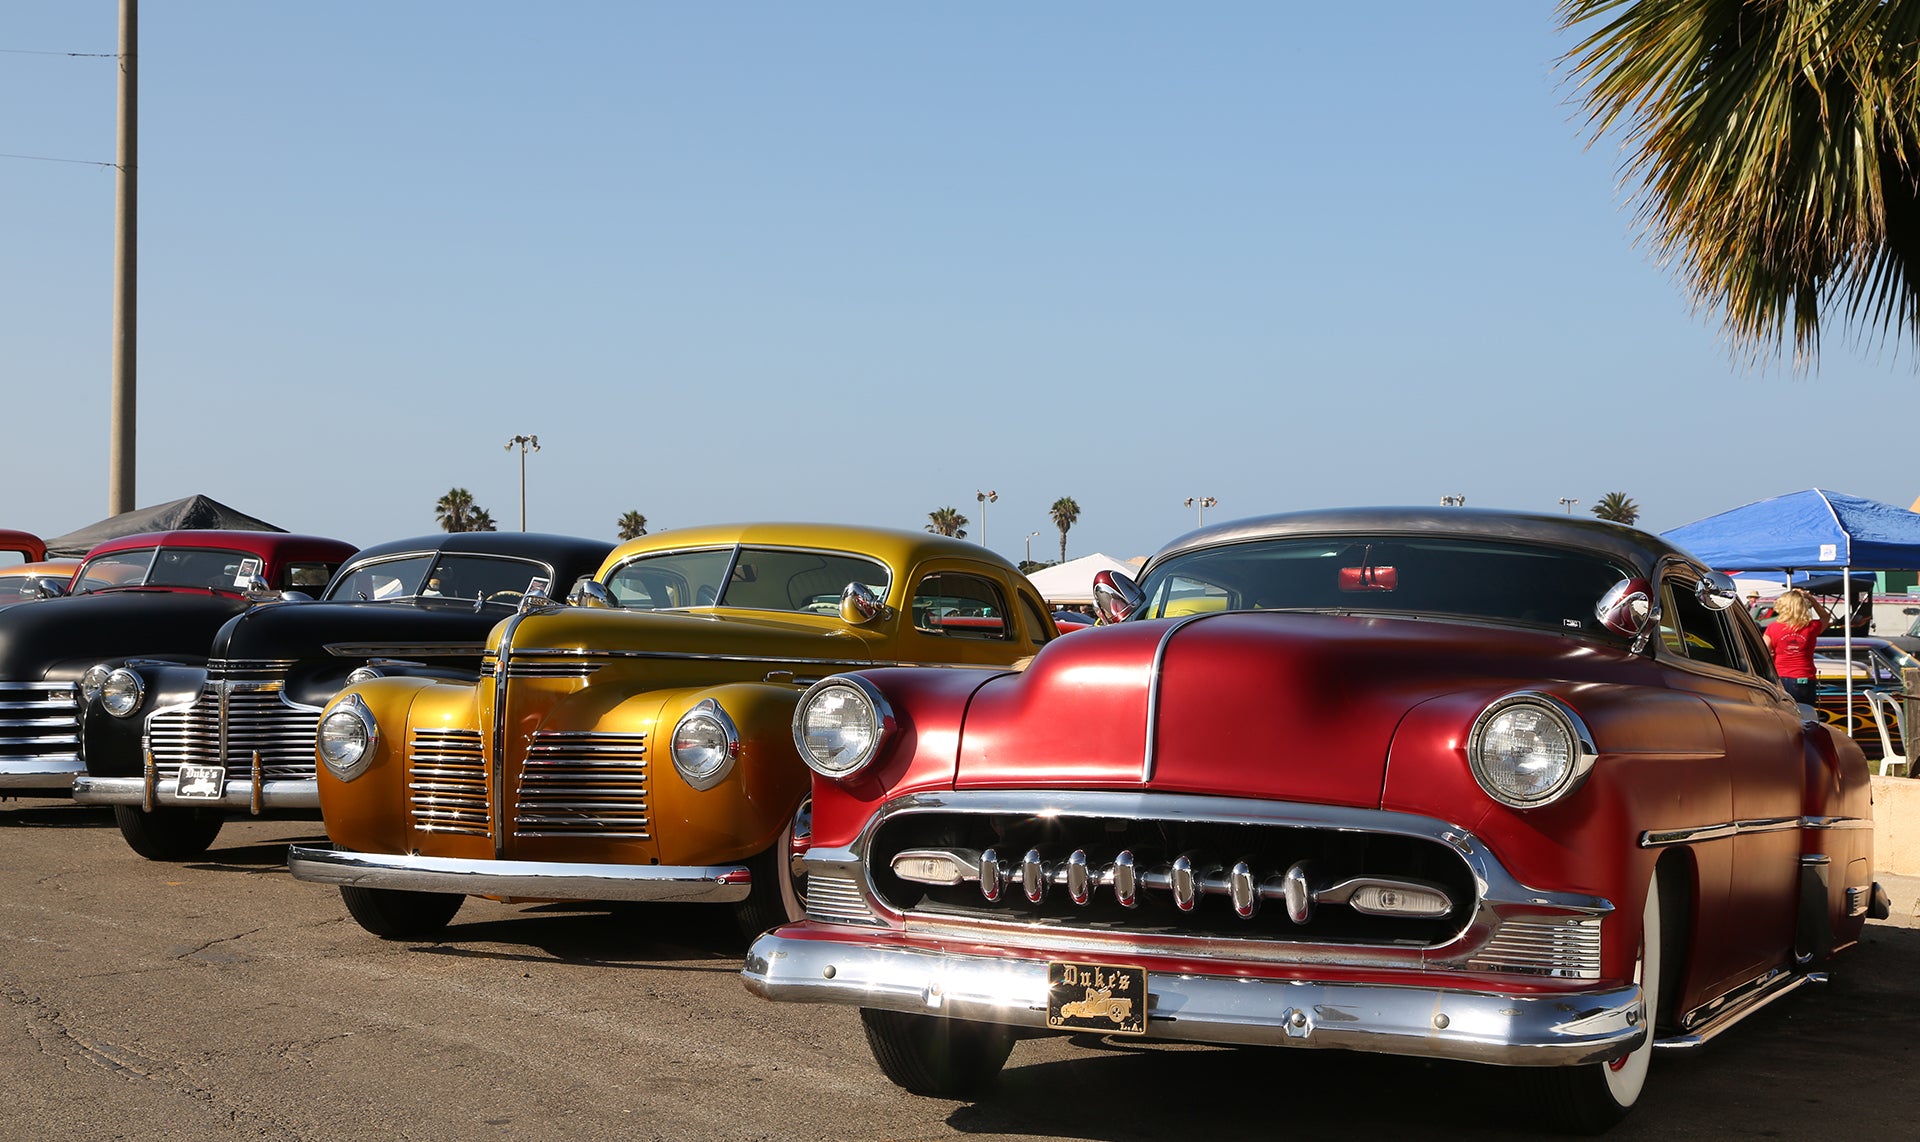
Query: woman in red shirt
1798, 619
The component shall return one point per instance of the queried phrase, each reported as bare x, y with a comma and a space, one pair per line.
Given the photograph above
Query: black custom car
175, 746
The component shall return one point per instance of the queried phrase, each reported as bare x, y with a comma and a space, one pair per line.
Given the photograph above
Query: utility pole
523, 442
120, 449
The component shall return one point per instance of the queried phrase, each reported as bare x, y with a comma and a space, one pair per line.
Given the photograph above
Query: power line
45, 159
69, 55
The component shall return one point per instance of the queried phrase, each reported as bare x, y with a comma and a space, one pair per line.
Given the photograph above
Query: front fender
369, 813
114, 747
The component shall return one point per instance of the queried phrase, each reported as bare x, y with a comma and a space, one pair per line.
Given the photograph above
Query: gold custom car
636, 743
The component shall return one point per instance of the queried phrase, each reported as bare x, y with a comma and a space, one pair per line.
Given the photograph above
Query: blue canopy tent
1807, 531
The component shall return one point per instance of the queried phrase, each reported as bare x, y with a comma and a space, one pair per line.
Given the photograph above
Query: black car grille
447, 782
258, 719
39, 720
1231, 877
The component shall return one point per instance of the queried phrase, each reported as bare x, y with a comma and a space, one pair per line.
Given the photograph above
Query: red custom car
1520, 790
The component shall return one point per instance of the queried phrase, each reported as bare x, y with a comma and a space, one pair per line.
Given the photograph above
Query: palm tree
1776, 144
633, 525
454, 510
1065, 514
948, 521
481, 520
1617, 507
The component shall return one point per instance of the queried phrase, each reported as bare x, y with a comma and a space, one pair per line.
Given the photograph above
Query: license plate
1097, 997
200, 783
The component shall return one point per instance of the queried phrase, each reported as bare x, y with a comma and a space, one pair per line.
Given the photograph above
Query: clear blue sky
856, 262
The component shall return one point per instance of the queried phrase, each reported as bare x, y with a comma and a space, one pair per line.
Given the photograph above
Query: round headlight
1529, 750
840, 725
705, 744
346, 738
93, 680
121, 691
363, 674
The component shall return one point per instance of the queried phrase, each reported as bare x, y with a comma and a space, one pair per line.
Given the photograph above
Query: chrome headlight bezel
121, 692
704, 745
862, 709
1498, 773
93, 680
346, 737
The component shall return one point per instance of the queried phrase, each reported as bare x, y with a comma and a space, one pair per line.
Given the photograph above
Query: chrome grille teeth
1078, 876
1242, 889
992, 880
1033, 876
1121, 876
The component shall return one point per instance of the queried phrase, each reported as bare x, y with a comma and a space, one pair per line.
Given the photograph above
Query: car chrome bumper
237, 793
530, 879
1483, 1027
40, 772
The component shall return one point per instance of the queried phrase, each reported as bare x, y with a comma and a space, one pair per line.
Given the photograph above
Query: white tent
1071, 583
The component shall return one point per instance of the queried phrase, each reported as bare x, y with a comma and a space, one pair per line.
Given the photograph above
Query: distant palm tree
1615, 506
1065, 514
633, 525
454, 510
481, 520
948, 521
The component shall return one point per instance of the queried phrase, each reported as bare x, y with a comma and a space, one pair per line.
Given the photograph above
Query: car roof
900, 549
564, 549
274, 546
1637, 549
25, 542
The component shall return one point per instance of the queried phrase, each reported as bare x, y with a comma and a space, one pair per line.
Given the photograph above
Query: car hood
746, 634
111, 624
400, 629
1265, 704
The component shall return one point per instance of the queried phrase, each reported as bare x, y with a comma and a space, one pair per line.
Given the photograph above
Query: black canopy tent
193, 512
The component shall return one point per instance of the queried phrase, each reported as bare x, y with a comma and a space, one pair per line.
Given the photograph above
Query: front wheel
779, 891
397, 914
168, 832
937, 1057
1591, 1098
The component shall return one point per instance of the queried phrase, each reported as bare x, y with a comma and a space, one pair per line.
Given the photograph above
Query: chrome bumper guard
1559, 1029
528, 879
238, 793
39, 773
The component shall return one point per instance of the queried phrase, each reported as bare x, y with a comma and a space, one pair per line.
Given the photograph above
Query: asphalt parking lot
220, 999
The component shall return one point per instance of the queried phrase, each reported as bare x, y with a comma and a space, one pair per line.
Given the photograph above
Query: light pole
1200, 504
1453, 501
1568, 504
1030, 536
524, 442
985, 498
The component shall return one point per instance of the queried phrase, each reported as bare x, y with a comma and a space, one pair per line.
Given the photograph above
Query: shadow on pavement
53, 813
655, 937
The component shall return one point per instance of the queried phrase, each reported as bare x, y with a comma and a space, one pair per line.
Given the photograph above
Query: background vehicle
1475, 785
160, 595
185, 743
639, 747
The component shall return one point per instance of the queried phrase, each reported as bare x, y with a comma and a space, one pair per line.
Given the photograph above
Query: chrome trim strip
406, 649
837, 664
1708, 1022
1657, 838
1836, 823
503, 658
237, 793
531, 879
1520, 1029
39, 772
1153, 690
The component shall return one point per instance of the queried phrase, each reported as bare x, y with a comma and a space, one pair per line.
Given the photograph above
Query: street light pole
985, 498
524, 442
1568, 504
1200, 504
1030, 536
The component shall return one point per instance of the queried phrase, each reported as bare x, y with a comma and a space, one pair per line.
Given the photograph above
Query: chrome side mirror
860, 606
1115, 596
295, 597
46, 588
1627, 609
588, 593
534, 599
1716, 592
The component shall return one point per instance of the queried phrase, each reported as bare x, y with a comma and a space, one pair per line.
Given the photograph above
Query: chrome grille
1555, 946
39, 720
248, 669
447, 782
258, 719
583, 785
837, 900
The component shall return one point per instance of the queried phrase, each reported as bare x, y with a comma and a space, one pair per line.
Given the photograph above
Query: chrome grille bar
40, 720
258, 718
447, 782
579, 784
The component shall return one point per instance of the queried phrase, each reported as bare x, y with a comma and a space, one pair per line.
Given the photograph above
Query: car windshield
1549, 587
166, 567
756, 578
467, 577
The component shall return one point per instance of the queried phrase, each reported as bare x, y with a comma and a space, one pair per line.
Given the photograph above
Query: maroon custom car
1512, 789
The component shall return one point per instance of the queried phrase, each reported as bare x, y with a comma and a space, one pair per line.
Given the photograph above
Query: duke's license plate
1097, 997
200, 783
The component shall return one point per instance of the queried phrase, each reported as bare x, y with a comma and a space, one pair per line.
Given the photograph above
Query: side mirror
46, 589
588, 593
1115, 596
295, 597
1716, 592
860, 606
1627, 609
